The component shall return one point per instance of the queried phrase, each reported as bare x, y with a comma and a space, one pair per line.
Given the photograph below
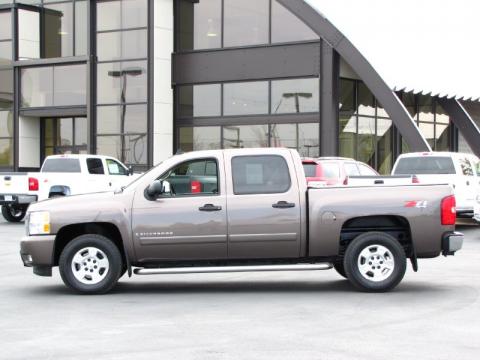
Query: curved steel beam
389, 100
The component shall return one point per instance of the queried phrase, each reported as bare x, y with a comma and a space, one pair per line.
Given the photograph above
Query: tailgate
13, 183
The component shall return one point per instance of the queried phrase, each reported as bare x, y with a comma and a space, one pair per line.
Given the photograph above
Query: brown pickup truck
236, 211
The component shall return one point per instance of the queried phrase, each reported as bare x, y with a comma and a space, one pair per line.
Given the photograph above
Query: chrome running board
222, 269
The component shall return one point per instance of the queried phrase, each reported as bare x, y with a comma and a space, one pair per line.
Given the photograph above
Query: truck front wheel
375, 262
91, 264
14, 213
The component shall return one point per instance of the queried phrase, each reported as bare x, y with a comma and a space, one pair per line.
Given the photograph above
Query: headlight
39, 223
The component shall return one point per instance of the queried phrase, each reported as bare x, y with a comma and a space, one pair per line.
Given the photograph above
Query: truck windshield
61, 165
425, 165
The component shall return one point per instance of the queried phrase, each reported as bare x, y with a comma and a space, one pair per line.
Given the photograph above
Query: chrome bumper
451, 243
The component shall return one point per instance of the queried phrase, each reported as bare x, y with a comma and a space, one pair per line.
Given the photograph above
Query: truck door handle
283, 205
378, 182
210, 207
468, 182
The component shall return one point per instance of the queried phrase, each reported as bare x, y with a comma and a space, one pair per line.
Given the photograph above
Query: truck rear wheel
91, 264
14, 213
375, 262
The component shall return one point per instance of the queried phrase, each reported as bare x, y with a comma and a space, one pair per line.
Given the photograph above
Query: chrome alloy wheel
90, 265
376, 263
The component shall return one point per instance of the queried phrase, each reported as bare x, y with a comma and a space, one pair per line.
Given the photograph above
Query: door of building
64, 135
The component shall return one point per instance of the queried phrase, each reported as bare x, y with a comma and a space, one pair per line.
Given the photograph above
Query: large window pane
109, 15
245, 136
81, 132
122, 82
6, 89
302, 137
199, 138
134, 148
5, 25
346, 139
28, 34
347, 95
37, 87
366, 101
65, 130
5, 52
246, 22
6, 124
425, 108
442, 137
199, 100
81, 32
246, 98
122, 119
116, 45
200, 24
287, 27
384, 145
366, 140
295, 96
6, 152
427, 130
58, 37
70, 85
409, 101
134, 13
125, 14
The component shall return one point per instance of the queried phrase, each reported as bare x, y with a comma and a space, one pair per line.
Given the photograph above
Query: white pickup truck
60, 175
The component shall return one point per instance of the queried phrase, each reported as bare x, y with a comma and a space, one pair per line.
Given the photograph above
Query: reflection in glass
58, 37
37, 87
409, 101
65, 131
6, 153
130, 44
81, 32
425, 108
28, 34
366, 140
199, 100
347, 95
286, 27
384, 146
81, 132
125, 14
6, 124
245, 136
442, 137
70, 85
200, 24
6, 89
109, 15
366, 100
346, 139
302, 137
295, 96
246, 22
122, 82
245, 98
440, 115
5, 25
134, 149
5, 52
134, 13
428, 132
199, 138
109, 119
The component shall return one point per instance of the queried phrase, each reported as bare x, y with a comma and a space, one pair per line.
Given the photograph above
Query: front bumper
17, 199
451, 243
37, 252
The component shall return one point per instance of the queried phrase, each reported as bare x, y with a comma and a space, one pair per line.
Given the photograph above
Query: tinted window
425, 165
114, 168
95, 166
193, 178
330, 170
365, 170
310, 169
61, 165
351, 169
466, 167
260, 175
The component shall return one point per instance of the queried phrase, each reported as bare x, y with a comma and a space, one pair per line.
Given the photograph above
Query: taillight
345, 182
32, 184
448, 211
196, 187
415, 179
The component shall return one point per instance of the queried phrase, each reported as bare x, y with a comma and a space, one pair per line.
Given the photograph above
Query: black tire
338, 266
106, 247
13, 213
368, 241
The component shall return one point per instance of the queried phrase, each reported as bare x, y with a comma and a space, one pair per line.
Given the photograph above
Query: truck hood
74, 201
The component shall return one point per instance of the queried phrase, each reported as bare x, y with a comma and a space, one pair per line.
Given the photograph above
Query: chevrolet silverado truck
60, 175
235, 211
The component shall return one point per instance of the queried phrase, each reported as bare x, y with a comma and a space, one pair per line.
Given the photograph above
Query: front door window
64, 136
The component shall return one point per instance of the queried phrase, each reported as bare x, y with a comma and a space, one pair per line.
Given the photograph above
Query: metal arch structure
350, 54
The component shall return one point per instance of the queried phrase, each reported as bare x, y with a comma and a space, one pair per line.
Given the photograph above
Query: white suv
460, 170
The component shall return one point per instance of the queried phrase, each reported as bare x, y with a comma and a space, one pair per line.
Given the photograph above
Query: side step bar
223, 269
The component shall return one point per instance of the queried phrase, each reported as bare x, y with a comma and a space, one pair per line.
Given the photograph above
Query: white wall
29, 142
163, 94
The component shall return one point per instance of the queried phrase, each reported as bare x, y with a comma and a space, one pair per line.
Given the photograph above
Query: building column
329, 77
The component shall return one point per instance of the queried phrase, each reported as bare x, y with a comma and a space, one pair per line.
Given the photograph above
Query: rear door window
310, 169
95, 166
424, 165
466, 167
265, 174
351, 169
61, 165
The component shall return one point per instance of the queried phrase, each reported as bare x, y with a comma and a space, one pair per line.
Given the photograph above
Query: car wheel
338, 266
13, 213
91, 264
375, 262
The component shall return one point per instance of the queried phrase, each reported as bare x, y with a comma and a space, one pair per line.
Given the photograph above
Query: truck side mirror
130, 170
157, 188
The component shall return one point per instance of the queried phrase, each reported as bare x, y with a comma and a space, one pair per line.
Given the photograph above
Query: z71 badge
416, 204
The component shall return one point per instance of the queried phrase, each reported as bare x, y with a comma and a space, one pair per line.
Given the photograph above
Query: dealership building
142, 79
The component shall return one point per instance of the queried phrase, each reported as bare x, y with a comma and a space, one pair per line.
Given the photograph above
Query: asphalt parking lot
433, 314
